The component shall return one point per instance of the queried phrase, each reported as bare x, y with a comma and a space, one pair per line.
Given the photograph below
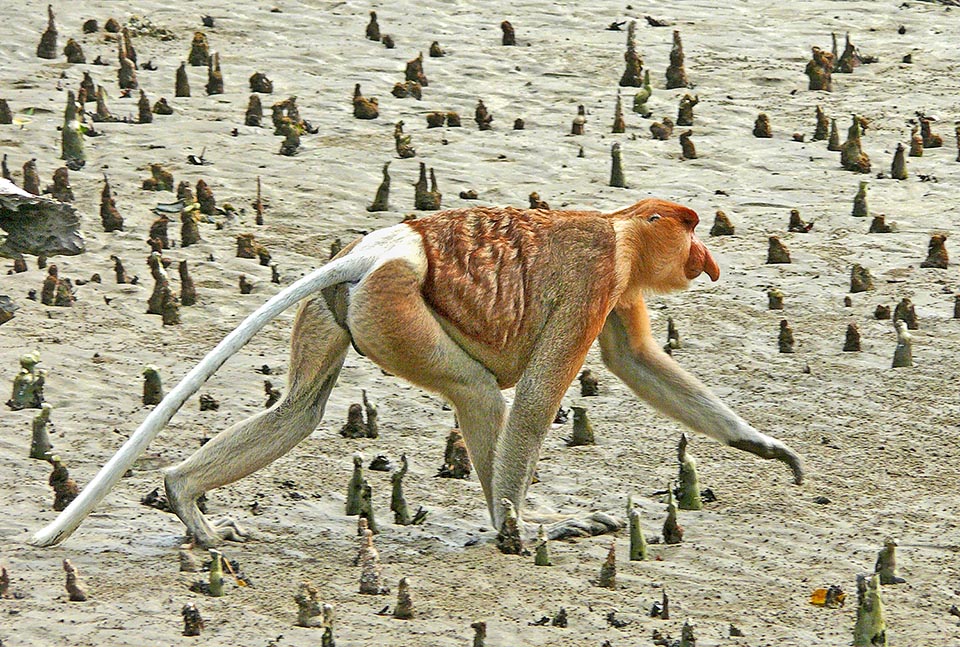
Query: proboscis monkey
464, 303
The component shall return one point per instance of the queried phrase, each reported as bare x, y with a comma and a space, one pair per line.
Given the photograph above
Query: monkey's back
497, 273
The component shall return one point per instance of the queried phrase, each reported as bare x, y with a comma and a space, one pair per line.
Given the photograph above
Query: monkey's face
669, 254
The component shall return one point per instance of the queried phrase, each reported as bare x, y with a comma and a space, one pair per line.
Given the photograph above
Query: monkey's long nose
700, 260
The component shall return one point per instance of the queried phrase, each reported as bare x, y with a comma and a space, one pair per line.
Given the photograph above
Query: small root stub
373, 27
619, 124
870, 629
456, 461
541, 554
192, 621
371, 572
144, 113
582, 428
160, 179
661, 609
364, 108
273, 394
425, 199
819, 70
214, 75
785, 339
589, 384
608, 570
822, 130
956, 306
260, 83
906, 312
903, 353
254, 114
354, 487
860, 279
71, 137
676, 74
852, 342
75, 590
508, 536
852, 157
216, 579
402, 142
687, 149
479, 633
74, 52
40, 445
916, 143
688, 488
633, 73
309, 611
381, 201
181, 82
662, 130
61, 189
354, 427
65, 489
937, 253
672, 531
152, 389
930, 140
404, 608
579, 122
482, 116
860, 207
774, 299
638, 543
882, 313
777, 252
898, 168
436, 51
414, 71
833, 143
685, 111
47, 47
536, 202
886, 566
508, 36
796, 224
366, 507
722, 225
640, 98
761, 127
617, 178
199, 50
398, 503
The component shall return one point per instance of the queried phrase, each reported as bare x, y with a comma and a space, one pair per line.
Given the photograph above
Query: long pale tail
347, 268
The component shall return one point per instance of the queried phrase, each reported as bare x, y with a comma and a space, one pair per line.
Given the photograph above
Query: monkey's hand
766, 447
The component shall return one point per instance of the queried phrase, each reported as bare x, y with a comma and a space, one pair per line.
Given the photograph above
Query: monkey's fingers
770, 448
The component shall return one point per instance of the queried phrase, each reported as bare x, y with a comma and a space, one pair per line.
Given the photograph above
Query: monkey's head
666, 252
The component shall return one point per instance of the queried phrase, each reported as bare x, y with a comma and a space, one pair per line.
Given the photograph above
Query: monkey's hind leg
317, 351
395, 328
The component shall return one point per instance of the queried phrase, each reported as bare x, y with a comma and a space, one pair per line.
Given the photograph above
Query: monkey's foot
597, 523
212, 535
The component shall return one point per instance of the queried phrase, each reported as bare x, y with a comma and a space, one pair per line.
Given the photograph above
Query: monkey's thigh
393, 326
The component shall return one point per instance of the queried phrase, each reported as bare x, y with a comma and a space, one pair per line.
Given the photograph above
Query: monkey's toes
230, 530
598, 523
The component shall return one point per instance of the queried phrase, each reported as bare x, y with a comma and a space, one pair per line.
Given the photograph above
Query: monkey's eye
655, 217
